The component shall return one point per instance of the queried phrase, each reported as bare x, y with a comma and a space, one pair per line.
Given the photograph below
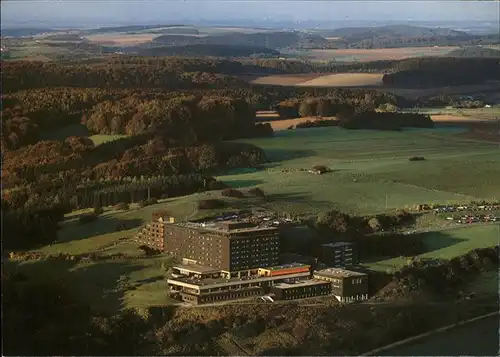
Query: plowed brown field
278, 125
121, 39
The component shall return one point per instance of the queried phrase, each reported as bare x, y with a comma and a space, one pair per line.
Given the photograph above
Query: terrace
300, 283
287, 266
338, 273
211, 283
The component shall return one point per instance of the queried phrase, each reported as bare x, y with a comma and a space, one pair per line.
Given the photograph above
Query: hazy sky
167, 11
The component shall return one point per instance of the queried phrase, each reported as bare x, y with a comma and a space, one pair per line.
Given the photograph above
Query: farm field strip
366, 55
121, 39
345, 80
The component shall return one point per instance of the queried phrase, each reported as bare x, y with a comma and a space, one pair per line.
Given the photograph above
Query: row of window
303, 296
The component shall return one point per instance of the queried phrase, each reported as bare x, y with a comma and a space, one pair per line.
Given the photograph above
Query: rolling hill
275, 40
201, 50
473, 52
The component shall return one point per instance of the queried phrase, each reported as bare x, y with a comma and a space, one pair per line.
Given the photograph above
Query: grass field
370, 165
78, 130
448, 244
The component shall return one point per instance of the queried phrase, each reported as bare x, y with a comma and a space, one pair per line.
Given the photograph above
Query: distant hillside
442, 72
273, 40
394, 36
474, 52
63, 37
131, 28
22, 32
182, 30
362, 33
203, 50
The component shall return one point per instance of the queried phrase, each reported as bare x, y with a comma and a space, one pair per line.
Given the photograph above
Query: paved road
480, 338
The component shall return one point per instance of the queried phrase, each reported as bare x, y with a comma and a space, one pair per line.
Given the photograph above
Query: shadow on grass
437, 240
152, 279
412, 245
66, 131
242, 183
274, 155
103, 284
289, 197
74, 230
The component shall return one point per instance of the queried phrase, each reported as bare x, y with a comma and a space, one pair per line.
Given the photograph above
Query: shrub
263, 130
216, 185
308, 108
333, 220
374, 224
257, 192
87, 218
288, 109
98, 210
122, 206
162, 213
317, 123
321, 169
417, 158
149, 202
231, 192
210, 204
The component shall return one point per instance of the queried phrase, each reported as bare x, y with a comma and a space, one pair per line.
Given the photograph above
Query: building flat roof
196, 268
287, 266
308, 282
233, 281
225, 226
338, 273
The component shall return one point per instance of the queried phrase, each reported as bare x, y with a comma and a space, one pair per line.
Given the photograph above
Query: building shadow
104, 284
242, 183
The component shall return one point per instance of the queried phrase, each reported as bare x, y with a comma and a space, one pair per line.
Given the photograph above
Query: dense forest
440, 72
204, 50
273, 40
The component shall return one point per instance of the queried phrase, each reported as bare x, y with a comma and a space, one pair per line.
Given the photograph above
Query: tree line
374, 120
442, 71
20, 75
129, 157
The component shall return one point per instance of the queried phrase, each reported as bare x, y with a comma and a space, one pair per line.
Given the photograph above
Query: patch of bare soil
283, 79
345, 80
284, 124
121, 39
